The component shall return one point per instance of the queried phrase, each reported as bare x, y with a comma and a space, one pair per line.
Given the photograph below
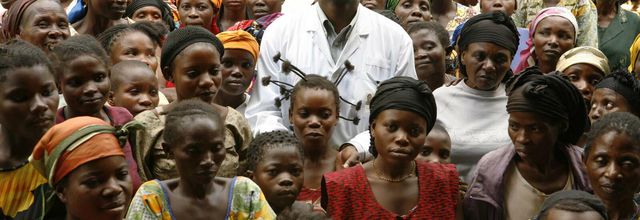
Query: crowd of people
320, 109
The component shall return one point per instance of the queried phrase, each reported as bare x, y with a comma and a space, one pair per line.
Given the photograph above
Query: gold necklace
380, 176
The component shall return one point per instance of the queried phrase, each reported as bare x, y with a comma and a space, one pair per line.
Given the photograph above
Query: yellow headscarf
586, 55
633, 51
240, 40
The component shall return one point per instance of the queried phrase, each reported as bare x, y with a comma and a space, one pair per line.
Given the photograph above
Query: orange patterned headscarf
240, 40
72, 143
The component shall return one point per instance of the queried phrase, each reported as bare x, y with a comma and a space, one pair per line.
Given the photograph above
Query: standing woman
410, 11
552, 32
546, 118
617, 28
473, 111
634, 50
42, 23
152, 11
102, 14
394, 185
231, 12
585, 67
28, 102
612, 158
83, 160
430, 42
618, 92
201, 13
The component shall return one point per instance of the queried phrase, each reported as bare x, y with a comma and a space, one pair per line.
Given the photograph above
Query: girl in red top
394, 185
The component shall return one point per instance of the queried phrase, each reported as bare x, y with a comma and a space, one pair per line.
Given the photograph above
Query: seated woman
546, 118
612, 158
585, 67
618, 92
238, 68
552, 33
29, 100
394, 185
83, 160
473, 111
42, 23
194, 137
191, 59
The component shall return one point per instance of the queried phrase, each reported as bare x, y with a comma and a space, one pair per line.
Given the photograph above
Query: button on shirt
336, 40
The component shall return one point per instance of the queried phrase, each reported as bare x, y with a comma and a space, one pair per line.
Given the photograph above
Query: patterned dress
246, 201
349, 196
22, 193
583, 10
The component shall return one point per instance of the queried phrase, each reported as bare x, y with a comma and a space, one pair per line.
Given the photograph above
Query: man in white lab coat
319, 40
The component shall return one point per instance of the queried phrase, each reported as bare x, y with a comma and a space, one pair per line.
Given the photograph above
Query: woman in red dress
394, 185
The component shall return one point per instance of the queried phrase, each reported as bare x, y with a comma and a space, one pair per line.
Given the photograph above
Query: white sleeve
406, 63
362, 142
261, 112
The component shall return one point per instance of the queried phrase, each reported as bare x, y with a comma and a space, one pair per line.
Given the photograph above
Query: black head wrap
623, 83
493, 27
180, 39
165, 10
573, 195
551, 96
407, 94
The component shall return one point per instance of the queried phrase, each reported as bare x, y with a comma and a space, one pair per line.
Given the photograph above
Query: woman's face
605, 101
110, 9
506, 6
486, 64
196, 72
199, 150
584, 77
613, 167
429, 55
196, 13
411, 11
237, 71
134, 46
533, 136
85, 85
100, 189
373, 4
28, 101
148, 13
313, 115
44, 24
261, 8
398, 135
553, 36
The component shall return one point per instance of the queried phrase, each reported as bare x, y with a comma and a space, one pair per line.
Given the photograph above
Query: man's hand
347, 157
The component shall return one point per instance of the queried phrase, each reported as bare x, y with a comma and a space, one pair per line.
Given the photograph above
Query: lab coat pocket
378, 69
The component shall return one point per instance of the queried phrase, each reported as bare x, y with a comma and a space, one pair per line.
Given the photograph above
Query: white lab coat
378, 48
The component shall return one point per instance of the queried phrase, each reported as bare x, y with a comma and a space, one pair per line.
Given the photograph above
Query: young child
238, 66
437, 147
82, 72
313, 114
133, 86
612, 162
194, 137
275, 162
28, 103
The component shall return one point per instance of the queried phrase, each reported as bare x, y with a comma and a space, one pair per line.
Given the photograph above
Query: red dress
350, 196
